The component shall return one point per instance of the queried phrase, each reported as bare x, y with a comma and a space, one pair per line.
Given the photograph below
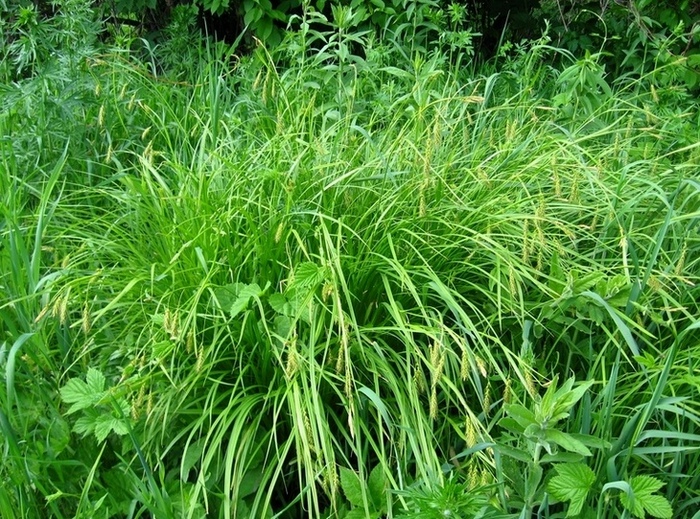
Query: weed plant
314, 283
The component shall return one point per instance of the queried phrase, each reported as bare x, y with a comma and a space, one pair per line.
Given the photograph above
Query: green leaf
642, 498
225, 296
95, 380
280, 304
631, 503
377, 488
572, 483
658, 506
566, 441
520, 414
85, 425
356, 514
352, 486
645, 485
246, 293
308, 274
106, 424
83, 395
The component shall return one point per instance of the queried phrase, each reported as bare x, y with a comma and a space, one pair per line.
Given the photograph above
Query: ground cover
346, 278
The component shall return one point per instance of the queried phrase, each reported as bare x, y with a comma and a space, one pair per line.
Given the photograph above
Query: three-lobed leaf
83, 394
572, 483
643, 498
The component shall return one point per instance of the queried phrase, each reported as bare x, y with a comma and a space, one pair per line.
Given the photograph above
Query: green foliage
641, 498
572, 483
102, 412
243, 275
368, 499
636, 37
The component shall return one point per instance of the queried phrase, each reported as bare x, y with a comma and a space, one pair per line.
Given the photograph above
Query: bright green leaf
377, 487
246, 293
572, 483
566, 441
78, 393
658, 506
352, 486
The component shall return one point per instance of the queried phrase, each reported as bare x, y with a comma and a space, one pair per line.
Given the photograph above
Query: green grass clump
312, 284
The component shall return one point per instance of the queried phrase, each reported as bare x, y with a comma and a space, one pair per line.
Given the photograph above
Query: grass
290, 265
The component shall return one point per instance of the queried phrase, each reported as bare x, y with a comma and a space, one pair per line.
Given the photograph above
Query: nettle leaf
86, 424
643, 498
572, 483
81, 394
225, 296
352, 486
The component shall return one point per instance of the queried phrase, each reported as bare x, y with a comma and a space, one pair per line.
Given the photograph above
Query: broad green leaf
308, 274
352, 486
632, 504
520, 414
520, 455
244, 296
280, 304
95, 380
643, 498
566, 441
572, 483
250, 482
193, 454
106, 424
85, 425
567, 399
78, 393
561, 457
657, 506
377, 487
645, 485
358, 514
225, 296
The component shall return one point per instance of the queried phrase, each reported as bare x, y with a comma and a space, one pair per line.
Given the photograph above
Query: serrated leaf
566, 441
645, 485
308, 274
78, 393
95, 380
632, 504
356, 514
643, 498
657, 506
572, 483
247, 293
377, 487
352, 486
84, 425
106, 424
280, 304
225, 296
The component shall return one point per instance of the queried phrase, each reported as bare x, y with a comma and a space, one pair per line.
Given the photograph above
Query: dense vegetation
354, 275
